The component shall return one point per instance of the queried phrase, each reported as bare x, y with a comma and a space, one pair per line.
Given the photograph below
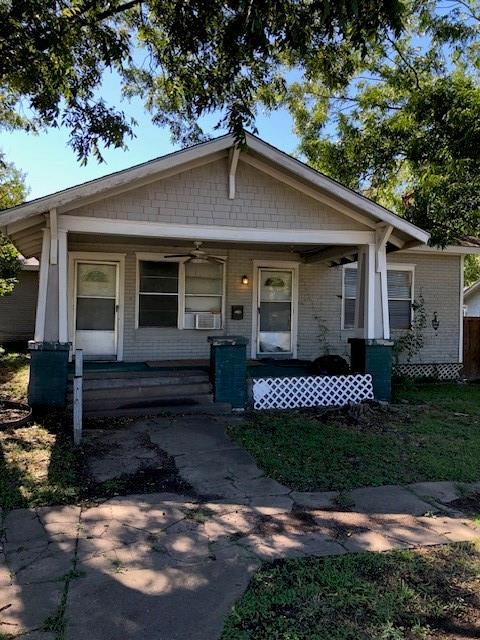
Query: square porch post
50, 348
371, 349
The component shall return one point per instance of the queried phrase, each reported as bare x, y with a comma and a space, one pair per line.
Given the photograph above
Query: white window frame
160, 257
397, 266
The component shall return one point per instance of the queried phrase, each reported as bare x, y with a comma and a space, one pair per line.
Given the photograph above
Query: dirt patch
165, 479
369, 416
125, 461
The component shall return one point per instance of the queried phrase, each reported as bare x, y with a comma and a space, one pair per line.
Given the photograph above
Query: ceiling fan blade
179, 255
216, 260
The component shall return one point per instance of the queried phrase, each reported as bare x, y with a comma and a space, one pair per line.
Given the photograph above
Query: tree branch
120, 9
406, 62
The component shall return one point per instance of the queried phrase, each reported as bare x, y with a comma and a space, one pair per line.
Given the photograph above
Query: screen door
96, 307
275, 311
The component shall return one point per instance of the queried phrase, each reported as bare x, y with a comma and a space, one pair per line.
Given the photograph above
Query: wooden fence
471, 347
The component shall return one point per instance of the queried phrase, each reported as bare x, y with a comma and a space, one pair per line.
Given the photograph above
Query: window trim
162, 257
396, 266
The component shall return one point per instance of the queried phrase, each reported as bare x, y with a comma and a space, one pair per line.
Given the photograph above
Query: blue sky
50, 164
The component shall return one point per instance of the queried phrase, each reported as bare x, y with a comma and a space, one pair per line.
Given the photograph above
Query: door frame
97, 256
274, 264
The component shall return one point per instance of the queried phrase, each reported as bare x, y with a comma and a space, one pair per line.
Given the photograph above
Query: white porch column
62, 287
365, 300
382, 236
42, 287
371, 310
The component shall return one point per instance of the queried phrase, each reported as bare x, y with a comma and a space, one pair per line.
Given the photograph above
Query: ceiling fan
197, 255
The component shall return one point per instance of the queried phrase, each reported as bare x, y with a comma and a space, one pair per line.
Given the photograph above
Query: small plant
322, 335
412, 342
118, 566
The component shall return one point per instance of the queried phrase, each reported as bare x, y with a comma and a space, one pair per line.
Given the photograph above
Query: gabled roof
182, 160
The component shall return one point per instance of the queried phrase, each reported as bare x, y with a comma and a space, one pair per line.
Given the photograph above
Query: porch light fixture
244, 279
435, 322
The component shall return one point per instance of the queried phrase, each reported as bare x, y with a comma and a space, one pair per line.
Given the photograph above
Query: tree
472, 269
12, 191
187, 58
406, 127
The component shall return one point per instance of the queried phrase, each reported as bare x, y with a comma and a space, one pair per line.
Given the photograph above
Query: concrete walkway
169, 567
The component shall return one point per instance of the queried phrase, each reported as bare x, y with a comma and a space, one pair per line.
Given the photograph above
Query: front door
275, 311
96, 307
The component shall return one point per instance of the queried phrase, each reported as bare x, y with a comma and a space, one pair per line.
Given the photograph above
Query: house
17, 311
141, 266
471, 300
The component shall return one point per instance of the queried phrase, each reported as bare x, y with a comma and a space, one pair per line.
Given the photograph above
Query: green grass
399, 595
38, 463
39, 466
14, 369
432, 434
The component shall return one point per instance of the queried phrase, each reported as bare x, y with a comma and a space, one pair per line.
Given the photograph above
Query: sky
50, 164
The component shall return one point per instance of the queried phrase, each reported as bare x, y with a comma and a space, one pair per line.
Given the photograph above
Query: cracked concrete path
169, 567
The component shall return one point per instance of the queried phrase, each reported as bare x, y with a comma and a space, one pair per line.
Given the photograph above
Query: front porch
141, 311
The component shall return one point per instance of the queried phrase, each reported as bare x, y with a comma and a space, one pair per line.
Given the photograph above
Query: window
158, 294
400, 289
168, 290
203, 292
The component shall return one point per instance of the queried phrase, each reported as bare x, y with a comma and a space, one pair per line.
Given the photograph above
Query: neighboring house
17, 311
118, 279
471, 300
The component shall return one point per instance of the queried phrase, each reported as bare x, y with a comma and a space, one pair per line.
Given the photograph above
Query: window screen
158, 294
399, 284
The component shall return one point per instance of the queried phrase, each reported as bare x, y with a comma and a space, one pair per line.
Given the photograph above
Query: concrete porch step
215, 408
124, 384
111, 374
138, 392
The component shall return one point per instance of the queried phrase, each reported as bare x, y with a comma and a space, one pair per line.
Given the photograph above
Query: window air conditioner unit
207, 321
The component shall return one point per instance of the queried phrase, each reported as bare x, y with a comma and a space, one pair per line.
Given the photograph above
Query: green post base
228, 369
47, 386
374, 357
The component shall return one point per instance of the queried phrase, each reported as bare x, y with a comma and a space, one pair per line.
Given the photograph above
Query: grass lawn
400, 595
432, 432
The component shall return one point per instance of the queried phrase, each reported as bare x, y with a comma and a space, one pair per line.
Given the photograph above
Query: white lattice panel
443, 371
311, 391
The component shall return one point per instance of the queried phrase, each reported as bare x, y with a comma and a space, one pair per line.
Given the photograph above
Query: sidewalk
169, 567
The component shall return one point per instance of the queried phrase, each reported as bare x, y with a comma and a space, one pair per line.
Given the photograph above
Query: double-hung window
180, 294
400, 296
158, 294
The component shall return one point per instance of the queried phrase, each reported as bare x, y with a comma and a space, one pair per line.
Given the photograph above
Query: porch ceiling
187, 244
